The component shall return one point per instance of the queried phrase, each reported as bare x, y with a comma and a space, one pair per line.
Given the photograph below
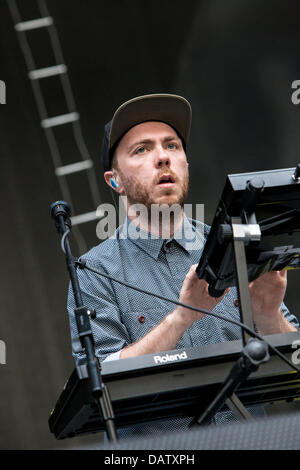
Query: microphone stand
60, 211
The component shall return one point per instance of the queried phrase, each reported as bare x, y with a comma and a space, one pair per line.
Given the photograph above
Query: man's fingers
192, 269
222, 296
283, 273
268, 277
192, 276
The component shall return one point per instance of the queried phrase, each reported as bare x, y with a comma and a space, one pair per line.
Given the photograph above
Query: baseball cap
173, 110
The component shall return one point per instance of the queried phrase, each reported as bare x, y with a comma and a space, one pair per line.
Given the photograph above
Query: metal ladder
49, 123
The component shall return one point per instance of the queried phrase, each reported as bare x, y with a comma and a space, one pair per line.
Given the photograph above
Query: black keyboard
173, 383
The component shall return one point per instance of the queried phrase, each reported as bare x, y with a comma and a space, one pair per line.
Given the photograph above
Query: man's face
152, 165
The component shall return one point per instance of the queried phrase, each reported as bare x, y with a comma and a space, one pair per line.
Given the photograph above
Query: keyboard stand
237, 407
254, 352
252, 355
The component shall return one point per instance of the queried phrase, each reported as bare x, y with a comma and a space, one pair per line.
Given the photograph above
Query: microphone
60, 211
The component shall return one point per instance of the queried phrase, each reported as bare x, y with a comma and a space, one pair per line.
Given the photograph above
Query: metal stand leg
239, 240
237, 407
253, 354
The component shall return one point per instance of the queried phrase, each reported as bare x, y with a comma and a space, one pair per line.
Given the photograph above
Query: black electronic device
172, 383
268, 199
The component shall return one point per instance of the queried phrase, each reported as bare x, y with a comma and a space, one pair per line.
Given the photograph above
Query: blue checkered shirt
125, 315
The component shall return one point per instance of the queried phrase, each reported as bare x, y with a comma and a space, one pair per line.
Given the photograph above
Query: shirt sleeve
289, 316
109, 333
113, 357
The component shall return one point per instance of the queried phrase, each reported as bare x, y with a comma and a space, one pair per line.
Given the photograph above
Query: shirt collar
186, 236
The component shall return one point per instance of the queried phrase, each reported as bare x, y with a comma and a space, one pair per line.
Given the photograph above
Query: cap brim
170, 109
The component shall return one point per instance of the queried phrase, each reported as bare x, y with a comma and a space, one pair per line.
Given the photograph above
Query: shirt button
167, 247
141, 319
236, 303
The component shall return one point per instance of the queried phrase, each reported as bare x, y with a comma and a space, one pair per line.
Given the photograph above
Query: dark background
234, 61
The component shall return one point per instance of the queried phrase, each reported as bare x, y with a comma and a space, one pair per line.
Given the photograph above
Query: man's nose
162, 158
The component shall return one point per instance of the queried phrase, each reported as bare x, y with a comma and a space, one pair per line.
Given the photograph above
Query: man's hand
194, 292
167, 333
267, 293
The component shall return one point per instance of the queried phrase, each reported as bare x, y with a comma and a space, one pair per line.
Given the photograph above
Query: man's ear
107, 176
111, 180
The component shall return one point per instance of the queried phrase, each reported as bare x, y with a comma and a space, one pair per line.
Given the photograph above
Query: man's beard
139, 193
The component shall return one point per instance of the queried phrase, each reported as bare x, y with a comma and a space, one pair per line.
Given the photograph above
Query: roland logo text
170, 358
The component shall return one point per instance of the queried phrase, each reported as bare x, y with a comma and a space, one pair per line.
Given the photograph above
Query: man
145, 162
